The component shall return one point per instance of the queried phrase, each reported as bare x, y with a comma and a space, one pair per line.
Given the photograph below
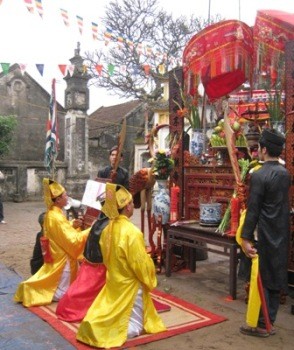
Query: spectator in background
37, 260
120, 176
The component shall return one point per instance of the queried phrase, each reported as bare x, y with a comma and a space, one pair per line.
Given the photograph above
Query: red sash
45, 247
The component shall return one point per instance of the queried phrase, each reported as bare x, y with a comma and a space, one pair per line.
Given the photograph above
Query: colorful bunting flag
64, 16
5, 68
146, 68
107, 36
120, 40
85, 68
22, 68
94, 30
135, 69
80, 23
29, 5
52, 142
139, 48
110, 69
161, 69
99, 68
130, 44
40, 68
123, 69
62, 68
71, 69
149, 50
39, 7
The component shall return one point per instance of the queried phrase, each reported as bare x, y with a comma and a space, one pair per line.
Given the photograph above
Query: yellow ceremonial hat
117, 197
52, 189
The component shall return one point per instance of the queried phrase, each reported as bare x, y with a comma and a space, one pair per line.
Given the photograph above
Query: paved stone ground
208, 288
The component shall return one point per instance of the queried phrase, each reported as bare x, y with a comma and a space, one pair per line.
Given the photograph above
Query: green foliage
163, 165
275, 106
244, 165
7, 127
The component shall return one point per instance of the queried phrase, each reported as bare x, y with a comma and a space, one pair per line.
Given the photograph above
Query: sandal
255, 332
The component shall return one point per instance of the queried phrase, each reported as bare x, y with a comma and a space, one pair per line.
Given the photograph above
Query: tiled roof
104, 117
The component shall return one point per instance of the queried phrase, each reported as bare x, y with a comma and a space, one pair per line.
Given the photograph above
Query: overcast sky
28, 38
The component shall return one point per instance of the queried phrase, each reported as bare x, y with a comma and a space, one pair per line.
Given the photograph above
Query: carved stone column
76, 127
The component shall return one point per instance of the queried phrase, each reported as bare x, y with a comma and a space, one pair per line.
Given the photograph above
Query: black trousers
272, 298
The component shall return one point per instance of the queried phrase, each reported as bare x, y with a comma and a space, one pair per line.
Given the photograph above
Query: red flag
146, 68
98, 68
62, 68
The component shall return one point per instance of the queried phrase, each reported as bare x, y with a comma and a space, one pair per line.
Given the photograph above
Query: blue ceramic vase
197, 142
161, 202
210, 214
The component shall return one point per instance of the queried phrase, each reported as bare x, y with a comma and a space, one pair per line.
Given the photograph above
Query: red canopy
221, 56
271, 31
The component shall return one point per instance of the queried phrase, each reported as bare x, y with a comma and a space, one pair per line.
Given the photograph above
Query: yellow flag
240, 227
254, 301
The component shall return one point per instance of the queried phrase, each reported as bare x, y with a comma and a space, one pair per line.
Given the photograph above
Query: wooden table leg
168, 257
192, 258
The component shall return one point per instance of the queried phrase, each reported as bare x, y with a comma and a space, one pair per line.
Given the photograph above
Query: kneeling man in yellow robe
65, 243
124, 308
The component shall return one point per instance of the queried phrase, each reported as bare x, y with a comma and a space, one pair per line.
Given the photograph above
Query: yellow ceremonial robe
128, 268
66, 244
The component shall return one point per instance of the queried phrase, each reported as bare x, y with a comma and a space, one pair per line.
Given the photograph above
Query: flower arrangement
163, 165
190, 111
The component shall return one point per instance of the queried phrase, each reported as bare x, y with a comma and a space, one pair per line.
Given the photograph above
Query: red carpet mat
183, 317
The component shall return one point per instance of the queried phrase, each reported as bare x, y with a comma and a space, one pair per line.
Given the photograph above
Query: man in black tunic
120, 176
268, 209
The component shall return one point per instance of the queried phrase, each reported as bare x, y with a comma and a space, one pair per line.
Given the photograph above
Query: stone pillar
76, 152
76, 128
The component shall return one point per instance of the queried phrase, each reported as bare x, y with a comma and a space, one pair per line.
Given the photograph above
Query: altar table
190, 234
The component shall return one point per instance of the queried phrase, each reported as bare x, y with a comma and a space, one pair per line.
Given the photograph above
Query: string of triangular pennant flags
109, 37
69, 68
108, 34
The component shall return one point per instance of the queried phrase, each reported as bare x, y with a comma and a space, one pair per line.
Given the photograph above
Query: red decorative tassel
174, 201
235, 214
45, 247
